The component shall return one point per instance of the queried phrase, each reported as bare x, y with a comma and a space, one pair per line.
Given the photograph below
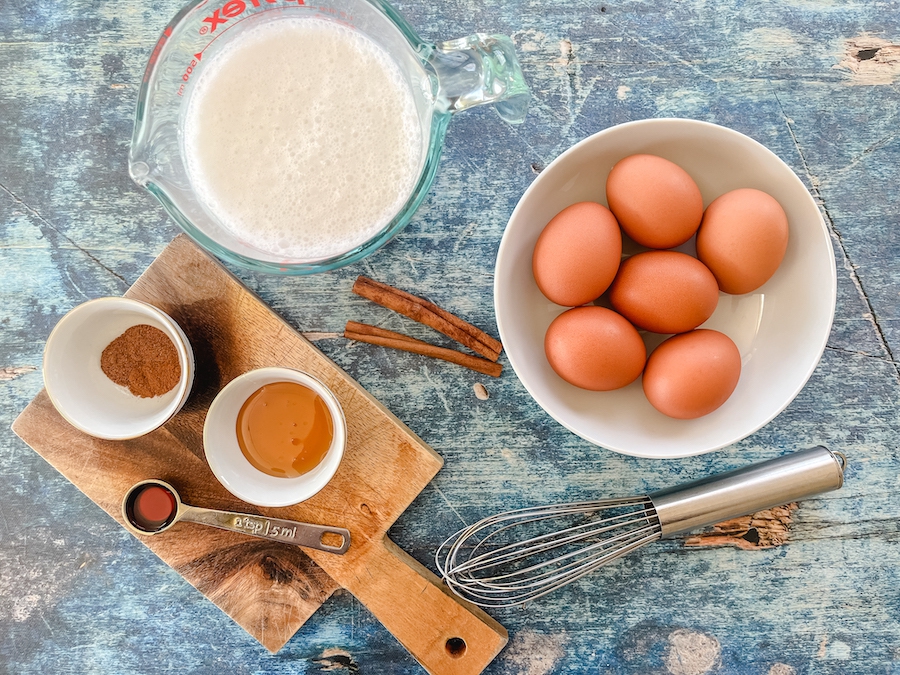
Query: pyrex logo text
229, 10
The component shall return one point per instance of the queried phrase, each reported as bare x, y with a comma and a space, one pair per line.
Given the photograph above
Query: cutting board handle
446, 635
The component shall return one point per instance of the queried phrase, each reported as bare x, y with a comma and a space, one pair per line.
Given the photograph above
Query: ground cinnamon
431, 315
144, 360
387, 338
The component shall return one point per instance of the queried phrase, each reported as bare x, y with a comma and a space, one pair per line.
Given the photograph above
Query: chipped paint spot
870, 60
49, 561
771, 45
781, 669
12, 372
533, 653
680, 99
566, 52
622, 92
691, 653
763, 529
530, 40
334, 659
24, 606
314, 337
835, 651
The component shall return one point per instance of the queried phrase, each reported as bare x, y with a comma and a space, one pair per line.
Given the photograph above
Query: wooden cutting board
271, 589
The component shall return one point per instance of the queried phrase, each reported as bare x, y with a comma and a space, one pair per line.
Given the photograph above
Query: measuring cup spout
480, 69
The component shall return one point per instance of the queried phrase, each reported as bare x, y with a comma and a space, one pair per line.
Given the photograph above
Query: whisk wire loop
507, 595
538, 544
487, 564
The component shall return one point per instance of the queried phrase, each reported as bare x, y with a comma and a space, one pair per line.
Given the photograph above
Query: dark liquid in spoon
151, 508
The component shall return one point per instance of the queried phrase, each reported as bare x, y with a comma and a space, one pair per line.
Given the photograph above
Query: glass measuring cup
444, 79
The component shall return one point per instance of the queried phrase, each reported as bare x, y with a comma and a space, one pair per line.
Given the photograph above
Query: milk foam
302, 138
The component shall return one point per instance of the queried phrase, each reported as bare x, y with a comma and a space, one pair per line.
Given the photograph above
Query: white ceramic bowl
236, 473
780, 329
84, 395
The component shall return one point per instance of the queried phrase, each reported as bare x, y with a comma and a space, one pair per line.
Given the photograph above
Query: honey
285, 429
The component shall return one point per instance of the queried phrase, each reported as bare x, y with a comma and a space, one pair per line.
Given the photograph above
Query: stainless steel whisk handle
792, 477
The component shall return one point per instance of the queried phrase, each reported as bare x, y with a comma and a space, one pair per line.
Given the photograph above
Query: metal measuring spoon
153, 506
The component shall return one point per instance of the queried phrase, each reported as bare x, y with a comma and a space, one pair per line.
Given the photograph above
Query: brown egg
664, 291
742, 239
576, 257
594, 348
692, 374
655, 201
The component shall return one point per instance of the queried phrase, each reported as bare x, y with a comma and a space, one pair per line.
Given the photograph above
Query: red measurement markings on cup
222, 15
229, 10
234, 8
154, 55
189, 71
193, 64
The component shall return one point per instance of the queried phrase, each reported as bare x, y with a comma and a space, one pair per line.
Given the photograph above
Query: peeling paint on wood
534, 653
315, 337
871, 60
781, 669
692, 653
12, 372
763, 529
335, 660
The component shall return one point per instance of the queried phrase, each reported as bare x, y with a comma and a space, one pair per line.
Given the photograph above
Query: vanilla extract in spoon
153, 506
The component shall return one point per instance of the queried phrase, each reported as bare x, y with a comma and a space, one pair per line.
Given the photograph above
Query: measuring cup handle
480, 69
275, 529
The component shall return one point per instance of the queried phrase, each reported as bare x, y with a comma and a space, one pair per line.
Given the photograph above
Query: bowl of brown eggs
665, 287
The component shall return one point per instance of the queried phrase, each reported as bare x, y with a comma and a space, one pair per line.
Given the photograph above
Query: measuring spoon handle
275, 529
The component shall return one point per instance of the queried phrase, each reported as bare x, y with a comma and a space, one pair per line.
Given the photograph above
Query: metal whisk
517, 556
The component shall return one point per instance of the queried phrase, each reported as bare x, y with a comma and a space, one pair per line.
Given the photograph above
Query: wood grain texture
268, 588
78, 594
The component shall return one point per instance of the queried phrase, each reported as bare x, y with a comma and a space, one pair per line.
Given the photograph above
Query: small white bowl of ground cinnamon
117, 368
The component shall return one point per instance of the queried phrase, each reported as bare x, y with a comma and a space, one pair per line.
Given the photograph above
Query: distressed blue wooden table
814, 80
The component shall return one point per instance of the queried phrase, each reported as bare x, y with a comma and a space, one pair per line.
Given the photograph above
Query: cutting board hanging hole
456, 647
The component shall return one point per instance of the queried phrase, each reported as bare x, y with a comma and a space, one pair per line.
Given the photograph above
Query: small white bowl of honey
274, 436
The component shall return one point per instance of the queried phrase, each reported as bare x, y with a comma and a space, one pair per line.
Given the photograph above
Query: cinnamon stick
425, 312
387, 338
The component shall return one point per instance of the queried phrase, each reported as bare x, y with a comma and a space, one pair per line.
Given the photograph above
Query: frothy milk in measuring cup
302, 138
